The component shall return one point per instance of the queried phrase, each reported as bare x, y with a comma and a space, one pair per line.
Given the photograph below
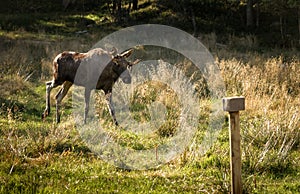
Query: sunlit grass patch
52, 23
21, 34
58, 26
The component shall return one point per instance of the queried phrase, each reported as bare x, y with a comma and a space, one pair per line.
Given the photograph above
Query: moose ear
115, 60
126, 53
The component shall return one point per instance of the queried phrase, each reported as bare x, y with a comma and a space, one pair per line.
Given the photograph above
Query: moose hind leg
60, 96
49, 87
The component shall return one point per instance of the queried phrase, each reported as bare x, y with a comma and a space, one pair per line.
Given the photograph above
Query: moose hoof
44, 115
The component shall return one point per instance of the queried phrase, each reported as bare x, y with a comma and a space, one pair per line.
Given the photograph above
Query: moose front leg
87, 95
111, 108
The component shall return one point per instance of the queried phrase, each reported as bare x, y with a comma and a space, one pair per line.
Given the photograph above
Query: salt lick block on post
233, 105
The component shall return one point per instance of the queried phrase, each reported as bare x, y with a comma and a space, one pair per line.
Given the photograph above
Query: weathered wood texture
235, 162
233, 105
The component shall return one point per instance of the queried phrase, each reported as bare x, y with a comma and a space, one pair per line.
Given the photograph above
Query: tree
296, 4
134, 4
299, 22
249, 14
252, 13
283, 10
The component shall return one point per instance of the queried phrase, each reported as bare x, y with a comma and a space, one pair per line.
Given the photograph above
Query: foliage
276, 22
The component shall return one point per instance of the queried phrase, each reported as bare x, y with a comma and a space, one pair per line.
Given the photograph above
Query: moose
96, 69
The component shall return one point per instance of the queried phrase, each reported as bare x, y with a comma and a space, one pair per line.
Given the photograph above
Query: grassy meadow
42, 157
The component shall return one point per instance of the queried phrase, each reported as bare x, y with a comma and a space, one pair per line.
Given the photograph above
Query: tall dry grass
31, 60
271, 123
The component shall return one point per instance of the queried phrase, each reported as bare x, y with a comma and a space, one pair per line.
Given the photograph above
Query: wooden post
233, 105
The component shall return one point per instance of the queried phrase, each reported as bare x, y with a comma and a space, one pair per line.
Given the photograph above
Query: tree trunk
114, 6
299, 22
249, 13
134, 4
119, 10
119, 5
257, 15
281, 28
194, 22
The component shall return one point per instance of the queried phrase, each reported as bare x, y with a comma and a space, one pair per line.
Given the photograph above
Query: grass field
44, 157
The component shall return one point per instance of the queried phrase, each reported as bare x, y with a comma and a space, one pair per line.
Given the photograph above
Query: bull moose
95, 69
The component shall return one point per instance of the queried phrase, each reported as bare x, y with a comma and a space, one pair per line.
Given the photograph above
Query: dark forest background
271, 22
